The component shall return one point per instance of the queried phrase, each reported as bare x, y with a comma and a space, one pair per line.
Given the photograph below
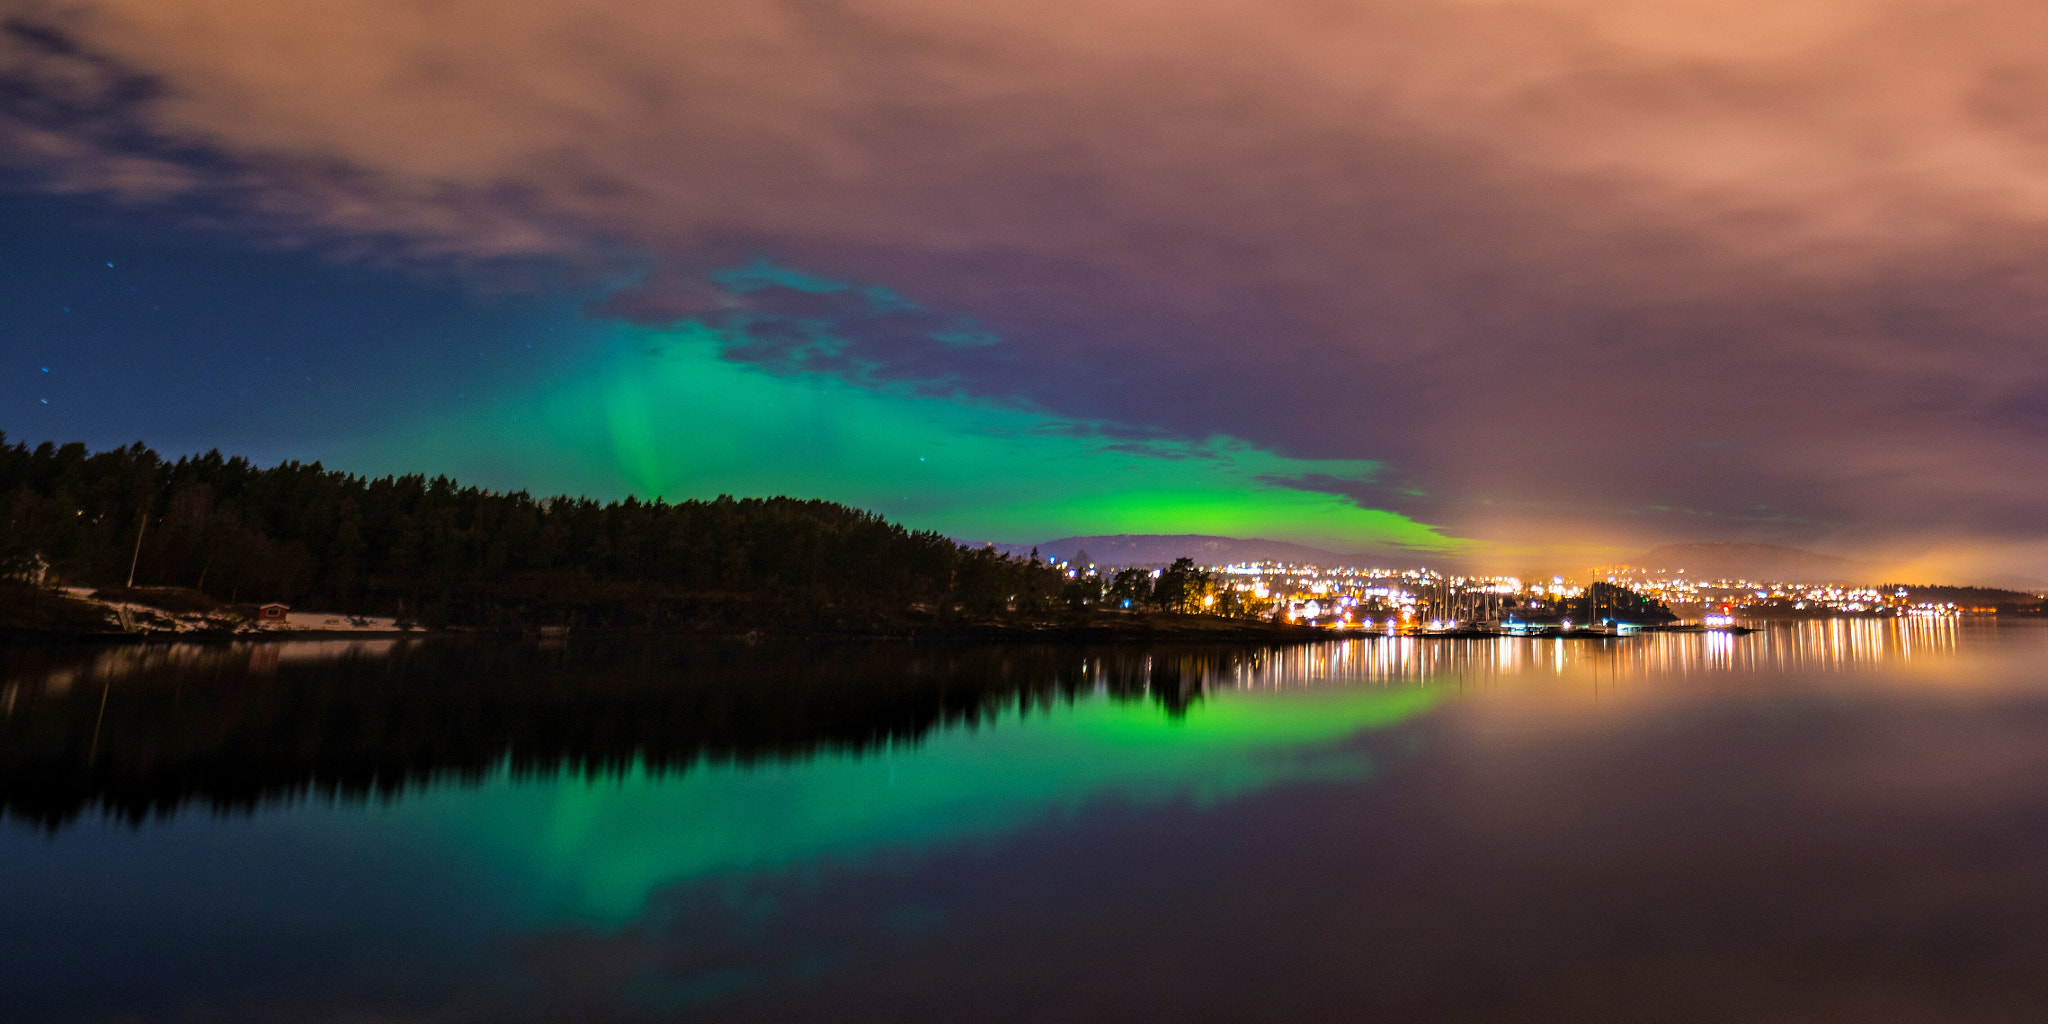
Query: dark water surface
1840, 821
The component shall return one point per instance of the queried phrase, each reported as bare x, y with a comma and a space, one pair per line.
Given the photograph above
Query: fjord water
1839, 820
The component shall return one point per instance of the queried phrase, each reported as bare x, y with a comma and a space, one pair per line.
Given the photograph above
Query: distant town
1422, 599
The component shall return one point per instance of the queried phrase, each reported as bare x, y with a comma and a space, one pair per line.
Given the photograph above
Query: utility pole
133, 562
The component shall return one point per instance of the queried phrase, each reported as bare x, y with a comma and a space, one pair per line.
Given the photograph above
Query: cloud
789, 323
1526, 253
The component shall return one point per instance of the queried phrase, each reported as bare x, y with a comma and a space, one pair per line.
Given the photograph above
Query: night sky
1530, 282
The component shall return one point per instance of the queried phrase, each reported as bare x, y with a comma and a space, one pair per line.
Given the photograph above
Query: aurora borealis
1528, 282
611, 409
663, 415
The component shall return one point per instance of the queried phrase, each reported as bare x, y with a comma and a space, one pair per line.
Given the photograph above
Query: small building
273, 612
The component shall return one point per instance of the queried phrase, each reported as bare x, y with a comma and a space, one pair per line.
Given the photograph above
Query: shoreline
1111, 632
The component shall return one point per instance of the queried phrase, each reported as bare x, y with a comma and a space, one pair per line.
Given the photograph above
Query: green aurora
592, 850
664, 414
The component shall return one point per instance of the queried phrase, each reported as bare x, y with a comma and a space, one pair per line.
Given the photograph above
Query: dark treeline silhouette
434, 552
1602, 602
1612, 601
2005, 602
1179, 587
141, 730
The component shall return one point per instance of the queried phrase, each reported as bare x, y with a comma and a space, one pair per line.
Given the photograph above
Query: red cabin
273, 612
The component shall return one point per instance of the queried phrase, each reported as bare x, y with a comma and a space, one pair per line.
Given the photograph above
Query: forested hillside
436, 552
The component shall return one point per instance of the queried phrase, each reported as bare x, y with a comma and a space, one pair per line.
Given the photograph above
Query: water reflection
145, 729
1366, 830
141, 731
1838, 645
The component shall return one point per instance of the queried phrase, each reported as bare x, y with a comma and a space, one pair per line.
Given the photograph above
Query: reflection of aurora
594, 848
238, 725
712, 819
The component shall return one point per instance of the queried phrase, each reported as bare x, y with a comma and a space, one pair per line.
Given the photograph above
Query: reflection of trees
143, 730
136, 730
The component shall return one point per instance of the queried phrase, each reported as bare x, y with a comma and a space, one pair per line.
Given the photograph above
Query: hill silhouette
1728, 560
1160, 549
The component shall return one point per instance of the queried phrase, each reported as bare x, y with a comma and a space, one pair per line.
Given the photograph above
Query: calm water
1834, 822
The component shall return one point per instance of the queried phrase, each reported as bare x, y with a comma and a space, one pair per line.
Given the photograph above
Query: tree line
436, 552
1180, 587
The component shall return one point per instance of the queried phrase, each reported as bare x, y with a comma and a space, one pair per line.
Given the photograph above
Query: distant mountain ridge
2013, 581
1160, 549
1731, 560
